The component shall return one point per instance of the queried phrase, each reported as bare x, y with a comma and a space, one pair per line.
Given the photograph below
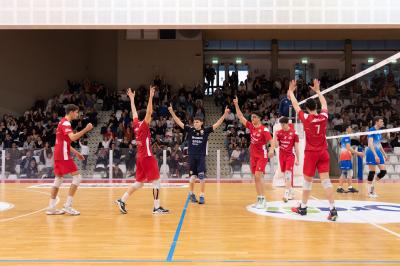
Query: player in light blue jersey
375, 156
346, 166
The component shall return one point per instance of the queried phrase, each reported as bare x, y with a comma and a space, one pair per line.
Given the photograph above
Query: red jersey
259, 137
315, 129
286, 140
143, 138
62, 149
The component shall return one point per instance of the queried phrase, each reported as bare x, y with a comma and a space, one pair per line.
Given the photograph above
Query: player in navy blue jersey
197, 138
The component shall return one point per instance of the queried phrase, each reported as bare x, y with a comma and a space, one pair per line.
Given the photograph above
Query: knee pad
201, 176
288, 176
307, 185
137, 185
193, 178
76, 180
326, 183
57, 182
156, 184
381, 174
371, 175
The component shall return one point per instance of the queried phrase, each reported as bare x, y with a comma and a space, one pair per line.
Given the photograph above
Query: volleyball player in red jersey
146, 163
63, 162
287, 140
316, 156
260, 137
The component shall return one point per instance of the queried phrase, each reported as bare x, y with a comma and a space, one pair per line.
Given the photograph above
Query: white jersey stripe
65, 150
148, 146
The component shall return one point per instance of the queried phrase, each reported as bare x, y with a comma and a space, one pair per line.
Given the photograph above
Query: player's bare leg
258, 180
192, 181
327, 185
51, 210
122, 201
202, 188
76, 180
288, 186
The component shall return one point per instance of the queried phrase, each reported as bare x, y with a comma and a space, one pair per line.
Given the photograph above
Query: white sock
303, 205
156, 203
190, 192
331, 205
201, 194
68, 203
125, 197
287, 191
52, 203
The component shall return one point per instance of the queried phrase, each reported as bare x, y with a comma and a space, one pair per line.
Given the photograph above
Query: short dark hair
256, 113
284, 120
311, 104
142, 114
198, 118
377, 118
71, 108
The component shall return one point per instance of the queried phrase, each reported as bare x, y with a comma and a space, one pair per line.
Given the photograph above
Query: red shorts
286, 161
147, 169
315, 160
258, 164
62, 167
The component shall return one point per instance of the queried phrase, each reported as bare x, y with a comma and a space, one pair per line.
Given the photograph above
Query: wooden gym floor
221, 232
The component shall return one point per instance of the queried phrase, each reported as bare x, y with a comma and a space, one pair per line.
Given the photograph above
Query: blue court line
178, 231
273, 262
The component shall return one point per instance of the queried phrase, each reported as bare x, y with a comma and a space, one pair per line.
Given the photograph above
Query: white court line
356, 76
363, 219
30, 213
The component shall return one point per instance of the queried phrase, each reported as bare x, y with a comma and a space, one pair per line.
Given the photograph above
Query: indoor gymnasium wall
37, 63
179, 61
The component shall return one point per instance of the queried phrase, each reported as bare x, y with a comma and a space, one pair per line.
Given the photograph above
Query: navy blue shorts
197, 164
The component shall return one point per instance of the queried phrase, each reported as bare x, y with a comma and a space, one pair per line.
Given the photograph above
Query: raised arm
321, 97
222, 118
78, 135
295, 103
131, 96
149, 110
239, 113
175, 117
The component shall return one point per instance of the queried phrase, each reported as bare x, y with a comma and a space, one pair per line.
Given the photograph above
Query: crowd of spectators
28, 139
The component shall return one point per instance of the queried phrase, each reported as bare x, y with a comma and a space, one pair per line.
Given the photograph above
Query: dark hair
377, 118
284, 120
256, 113
142, 114
71, 108
345, 126
198, 118
311, 104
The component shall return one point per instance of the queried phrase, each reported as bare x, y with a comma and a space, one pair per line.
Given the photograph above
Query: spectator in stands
32, 170
236, 159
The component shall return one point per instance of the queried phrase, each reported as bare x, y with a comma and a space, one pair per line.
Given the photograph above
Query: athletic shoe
71, 211
341, 190
121, 206
201, 200
373, 195
193, 198
332, 215
54, 211
160, 210
300, 210
352, 190
261, 203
